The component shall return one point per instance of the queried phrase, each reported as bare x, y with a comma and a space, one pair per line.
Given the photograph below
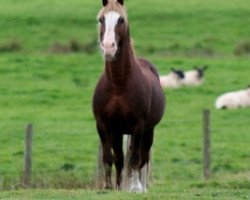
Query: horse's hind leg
146, 144
118, 158
107, 155
126, 181
143, 177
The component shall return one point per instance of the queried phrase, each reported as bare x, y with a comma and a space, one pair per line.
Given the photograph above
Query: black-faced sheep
173, 80
194, 77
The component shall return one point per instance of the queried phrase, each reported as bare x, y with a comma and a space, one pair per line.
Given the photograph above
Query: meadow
50, 63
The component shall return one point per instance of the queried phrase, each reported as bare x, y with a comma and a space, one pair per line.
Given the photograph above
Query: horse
128, 98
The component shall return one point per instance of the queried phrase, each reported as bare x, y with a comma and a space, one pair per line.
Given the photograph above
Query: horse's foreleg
146, 144
135, 159
107, 155
118, 158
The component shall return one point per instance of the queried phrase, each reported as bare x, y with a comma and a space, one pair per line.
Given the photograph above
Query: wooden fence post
206, 144
28, 156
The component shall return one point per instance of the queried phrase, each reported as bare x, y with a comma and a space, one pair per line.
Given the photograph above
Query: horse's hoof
136, 188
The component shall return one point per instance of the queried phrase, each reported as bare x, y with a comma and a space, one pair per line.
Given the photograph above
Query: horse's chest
119, 115
117, 108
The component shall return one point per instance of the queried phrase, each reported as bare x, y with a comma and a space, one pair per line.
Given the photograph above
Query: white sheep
173, 80
235, 99
194, 77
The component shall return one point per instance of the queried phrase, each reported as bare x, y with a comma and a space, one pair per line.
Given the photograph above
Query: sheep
235, 99
173, 80
194, 77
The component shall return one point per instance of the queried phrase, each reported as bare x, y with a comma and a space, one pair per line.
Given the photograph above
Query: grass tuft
242, 48
73, 46
10, 46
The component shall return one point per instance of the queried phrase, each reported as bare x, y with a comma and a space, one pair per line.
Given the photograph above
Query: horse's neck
118, 70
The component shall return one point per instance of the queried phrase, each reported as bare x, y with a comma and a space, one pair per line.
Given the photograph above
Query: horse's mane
132, 46
113, 5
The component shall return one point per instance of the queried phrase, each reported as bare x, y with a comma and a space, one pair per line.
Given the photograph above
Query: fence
27, 171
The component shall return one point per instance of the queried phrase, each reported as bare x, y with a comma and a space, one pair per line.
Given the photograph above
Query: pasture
49, 65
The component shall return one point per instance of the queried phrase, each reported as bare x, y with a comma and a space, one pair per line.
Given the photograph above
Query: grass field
49, 65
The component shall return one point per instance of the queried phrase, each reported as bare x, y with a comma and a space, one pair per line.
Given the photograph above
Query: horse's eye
120, 20
101, 19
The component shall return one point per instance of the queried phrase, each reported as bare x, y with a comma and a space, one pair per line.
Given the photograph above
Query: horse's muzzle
109, 50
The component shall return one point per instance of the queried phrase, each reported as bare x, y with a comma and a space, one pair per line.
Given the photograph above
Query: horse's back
145, 64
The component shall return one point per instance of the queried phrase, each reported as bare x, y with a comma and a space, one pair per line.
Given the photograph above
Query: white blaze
109, 44
111, 19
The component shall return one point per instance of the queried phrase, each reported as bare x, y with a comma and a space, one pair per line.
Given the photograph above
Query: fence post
206, 144
28, 156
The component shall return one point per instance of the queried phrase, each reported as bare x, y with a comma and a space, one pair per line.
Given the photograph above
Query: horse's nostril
113, 44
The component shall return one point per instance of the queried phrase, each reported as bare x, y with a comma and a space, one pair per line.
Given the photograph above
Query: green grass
160, 193
54, 92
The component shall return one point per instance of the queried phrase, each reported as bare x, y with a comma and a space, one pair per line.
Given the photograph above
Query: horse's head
112, 27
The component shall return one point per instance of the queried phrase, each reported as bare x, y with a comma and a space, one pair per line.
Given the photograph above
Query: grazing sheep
173, 80
194, 77
236, 99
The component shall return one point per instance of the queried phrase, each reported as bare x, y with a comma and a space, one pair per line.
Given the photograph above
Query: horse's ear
104, 2
120, 1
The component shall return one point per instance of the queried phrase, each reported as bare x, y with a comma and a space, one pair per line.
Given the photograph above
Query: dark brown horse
128, 98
